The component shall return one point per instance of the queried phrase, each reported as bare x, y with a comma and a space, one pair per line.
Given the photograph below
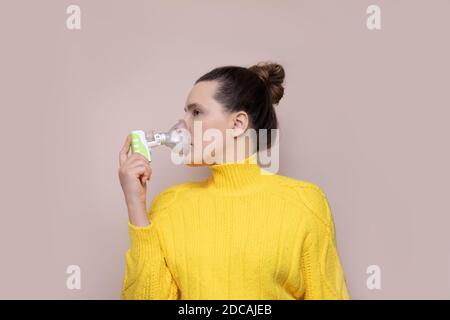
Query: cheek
201, 126
215, 122
219, 126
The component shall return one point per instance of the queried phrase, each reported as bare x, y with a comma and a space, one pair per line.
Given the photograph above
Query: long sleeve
237, 235
147, 276
322, 270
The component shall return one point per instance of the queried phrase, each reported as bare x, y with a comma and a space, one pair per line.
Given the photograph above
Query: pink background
364, 116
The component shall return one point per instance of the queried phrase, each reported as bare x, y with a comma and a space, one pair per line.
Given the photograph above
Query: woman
241, 233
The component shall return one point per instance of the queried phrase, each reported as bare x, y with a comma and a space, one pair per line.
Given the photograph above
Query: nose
181, 124
186, 122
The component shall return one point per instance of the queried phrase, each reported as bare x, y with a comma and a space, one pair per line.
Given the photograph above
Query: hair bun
273, 76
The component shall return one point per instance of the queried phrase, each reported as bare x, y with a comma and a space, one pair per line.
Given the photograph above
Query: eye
195, 112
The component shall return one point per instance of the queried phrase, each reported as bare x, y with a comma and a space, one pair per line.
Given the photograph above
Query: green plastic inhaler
143, 142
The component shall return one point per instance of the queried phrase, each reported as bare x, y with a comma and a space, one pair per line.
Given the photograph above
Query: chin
191, 163
195, 164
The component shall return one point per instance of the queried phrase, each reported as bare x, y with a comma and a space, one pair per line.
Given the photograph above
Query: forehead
202, 93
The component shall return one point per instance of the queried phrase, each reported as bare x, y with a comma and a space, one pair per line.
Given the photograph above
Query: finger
136, 161
143, 178
141, 169
141, 157
137, 156
123, 154
140, 172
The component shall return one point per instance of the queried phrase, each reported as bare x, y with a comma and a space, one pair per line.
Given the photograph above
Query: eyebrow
193, 105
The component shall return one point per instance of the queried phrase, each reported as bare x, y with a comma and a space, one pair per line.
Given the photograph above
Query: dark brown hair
254, 90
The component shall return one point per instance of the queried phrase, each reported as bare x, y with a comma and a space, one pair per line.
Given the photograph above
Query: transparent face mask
176, 138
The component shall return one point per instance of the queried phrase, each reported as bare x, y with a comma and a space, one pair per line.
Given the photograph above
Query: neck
236, 177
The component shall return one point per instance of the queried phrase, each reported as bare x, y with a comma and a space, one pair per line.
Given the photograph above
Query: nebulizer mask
176, 138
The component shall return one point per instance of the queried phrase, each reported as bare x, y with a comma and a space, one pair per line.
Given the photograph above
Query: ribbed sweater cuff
142, 239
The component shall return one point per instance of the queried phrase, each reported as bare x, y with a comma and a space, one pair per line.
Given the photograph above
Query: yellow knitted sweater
243, 233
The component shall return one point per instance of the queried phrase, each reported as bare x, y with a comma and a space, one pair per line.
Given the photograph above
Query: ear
240, 123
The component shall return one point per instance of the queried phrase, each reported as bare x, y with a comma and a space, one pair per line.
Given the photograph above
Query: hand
134, 172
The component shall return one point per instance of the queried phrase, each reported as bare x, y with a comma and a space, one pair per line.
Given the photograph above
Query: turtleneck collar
236, 177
